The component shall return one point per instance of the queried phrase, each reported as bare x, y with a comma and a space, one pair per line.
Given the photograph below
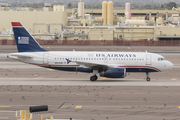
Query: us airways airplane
106, 64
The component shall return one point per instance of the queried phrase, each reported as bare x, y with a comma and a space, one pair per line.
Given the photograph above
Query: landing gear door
45, 58
148, 59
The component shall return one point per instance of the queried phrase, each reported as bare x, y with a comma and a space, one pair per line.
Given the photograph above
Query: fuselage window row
100, 59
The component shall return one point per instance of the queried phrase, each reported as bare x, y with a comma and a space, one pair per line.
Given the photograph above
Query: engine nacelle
114, 73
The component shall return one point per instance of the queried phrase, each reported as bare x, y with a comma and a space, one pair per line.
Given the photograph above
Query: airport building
58, 23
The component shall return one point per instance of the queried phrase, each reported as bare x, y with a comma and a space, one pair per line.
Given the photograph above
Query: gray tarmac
72, 95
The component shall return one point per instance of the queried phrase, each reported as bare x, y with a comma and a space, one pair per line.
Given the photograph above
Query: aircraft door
45, 58
148, 59
106, 59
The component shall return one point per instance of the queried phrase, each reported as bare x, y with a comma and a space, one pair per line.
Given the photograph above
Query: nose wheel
93, 78
147, 78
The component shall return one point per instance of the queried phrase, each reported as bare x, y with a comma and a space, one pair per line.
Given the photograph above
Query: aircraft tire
93, 78
148, 79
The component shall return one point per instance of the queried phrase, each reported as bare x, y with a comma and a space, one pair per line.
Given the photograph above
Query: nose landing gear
147, 78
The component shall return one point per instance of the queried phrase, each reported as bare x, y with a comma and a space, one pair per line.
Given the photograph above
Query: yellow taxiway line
78, 106
103, 78
3, 118
50, 69
4, 106
174, 79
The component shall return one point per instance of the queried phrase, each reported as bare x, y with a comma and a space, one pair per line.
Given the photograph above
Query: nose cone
170, 65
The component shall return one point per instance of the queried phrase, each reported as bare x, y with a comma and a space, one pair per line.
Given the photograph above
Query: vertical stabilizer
24, 41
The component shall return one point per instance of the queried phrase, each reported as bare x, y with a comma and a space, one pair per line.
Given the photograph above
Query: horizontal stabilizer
20, 56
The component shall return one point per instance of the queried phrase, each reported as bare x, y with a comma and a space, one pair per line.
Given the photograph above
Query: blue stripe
140, 70
87, 70
76, 69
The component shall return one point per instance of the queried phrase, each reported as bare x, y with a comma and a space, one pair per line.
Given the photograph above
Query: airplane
106, 64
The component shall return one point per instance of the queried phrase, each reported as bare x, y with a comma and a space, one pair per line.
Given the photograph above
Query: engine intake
114, 73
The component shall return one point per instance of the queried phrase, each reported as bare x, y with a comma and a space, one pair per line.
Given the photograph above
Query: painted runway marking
50, 69
3, 117
174, 79
179, 107
78, 107
4, 106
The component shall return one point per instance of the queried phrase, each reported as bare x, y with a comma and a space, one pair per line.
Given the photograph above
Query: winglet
16, 24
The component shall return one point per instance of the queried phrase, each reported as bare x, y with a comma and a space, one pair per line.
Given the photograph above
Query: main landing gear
94, 77
147, 78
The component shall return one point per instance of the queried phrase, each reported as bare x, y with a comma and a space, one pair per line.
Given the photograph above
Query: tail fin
25, 42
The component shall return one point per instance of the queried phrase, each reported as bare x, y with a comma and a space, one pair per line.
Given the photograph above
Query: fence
98, 43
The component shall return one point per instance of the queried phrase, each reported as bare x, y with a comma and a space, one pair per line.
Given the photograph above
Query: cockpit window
161, 59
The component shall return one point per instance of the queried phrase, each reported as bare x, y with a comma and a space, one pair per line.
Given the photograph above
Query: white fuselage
132, 61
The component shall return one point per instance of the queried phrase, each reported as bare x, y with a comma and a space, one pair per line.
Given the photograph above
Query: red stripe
55, 65
66, 65
143, 67
15, 24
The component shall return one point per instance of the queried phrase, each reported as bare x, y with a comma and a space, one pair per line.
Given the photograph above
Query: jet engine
114, 73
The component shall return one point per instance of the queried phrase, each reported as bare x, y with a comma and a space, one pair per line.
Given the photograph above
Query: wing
96, 66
